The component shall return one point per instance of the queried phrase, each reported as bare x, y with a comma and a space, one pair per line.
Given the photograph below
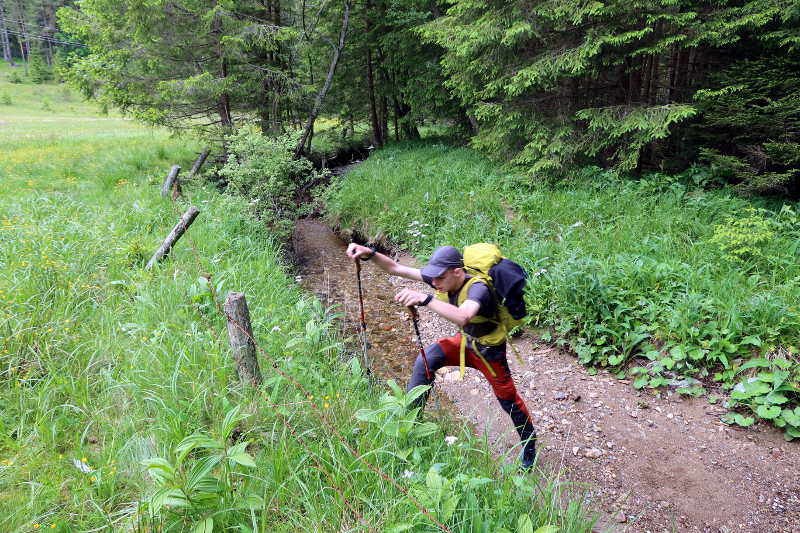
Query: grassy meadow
119, 405
681, 287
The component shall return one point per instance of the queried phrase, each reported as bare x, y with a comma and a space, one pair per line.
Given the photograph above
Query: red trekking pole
363, 319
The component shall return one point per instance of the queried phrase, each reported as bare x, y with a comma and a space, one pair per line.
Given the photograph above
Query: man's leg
511, 402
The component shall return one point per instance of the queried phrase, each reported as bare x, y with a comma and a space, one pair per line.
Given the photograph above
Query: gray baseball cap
442, 258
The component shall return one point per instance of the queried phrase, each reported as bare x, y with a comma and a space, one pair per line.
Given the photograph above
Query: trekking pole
363, 319
415, 319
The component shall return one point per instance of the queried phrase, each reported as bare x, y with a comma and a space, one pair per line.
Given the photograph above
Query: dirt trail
646, 463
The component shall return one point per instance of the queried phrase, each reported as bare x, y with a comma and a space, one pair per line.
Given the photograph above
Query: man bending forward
470, 304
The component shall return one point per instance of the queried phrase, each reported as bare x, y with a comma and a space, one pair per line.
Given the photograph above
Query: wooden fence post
240, 334
199, 162
182, 225
170, 180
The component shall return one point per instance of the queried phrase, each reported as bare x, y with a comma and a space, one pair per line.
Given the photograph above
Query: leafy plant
743, 237
772, 394
205, 487
263, 170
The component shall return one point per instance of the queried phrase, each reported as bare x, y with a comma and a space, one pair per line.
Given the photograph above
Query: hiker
475, 315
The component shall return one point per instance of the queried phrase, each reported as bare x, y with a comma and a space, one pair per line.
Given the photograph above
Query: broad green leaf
775, 398
677, 353
768, 412
524, 524
398, 528
758, 362
744, 421
547, 529
243, 459
449, 507
169, 497
791, 417
433, 480
230, 421
204, 526
641, 382
753, 340
668, 362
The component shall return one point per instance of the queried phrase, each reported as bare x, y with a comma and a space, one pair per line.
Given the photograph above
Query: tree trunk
176, 233
377, 141
223, 104
240, 334
337, 51
4, 40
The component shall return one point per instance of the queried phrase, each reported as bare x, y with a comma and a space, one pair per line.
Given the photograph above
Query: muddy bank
646, 463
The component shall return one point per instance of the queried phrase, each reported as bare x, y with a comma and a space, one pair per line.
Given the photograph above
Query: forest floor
644, 463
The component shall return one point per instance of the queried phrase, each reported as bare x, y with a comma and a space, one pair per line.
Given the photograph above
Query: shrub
263, 170
5, 99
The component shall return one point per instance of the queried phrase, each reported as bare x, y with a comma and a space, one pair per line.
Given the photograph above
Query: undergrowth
119, 405
659, 278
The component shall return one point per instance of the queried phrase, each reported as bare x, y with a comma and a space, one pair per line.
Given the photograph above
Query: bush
263, 170
14, 77
5, 99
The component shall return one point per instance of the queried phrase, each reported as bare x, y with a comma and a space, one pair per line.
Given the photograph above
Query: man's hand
410, 297
356, 251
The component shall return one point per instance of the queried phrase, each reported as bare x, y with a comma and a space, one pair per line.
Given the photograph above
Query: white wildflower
408, 473
578, 224
82, 466
450, 440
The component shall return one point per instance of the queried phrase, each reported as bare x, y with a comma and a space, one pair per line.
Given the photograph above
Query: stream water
326, 271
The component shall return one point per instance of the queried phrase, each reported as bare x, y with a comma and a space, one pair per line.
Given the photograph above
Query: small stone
575, 450
474, 392
634, 414
609, 445
598, 404
92, 439
593, 395
670, 415
593, 453
560, 396
620, 517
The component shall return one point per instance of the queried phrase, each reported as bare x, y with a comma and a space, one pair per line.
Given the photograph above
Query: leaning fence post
199, 163
179, 229
240, 334
170, 180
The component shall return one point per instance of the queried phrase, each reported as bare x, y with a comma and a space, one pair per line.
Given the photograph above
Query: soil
643, 463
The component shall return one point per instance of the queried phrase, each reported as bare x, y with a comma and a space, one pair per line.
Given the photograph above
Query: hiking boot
528, 457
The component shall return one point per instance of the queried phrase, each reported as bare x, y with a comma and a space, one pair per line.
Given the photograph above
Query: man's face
450, 281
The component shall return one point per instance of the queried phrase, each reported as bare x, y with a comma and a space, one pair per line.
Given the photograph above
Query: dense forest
547, 86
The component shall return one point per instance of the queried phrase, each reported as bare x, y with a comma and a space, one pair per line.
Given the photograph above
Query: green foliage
772, 394
743, 237
14, 77
655, 277
5, 98
39, 70
127, 66
750, 124
206, 486
264, 170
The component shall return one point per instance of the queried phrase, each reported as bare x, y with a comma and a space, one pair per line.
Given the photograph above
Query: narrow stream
326, 271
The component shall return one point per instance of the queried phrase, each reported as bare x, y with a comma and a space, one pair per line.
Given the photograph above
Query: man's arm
459, 316
389, 265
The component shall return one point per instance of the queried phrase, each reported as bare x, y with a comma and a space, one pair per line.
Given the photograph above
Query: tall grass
104, 367
681, 285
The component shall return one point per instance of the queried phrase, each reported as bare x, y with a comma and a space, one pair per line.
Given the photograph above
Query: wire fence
318, 411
